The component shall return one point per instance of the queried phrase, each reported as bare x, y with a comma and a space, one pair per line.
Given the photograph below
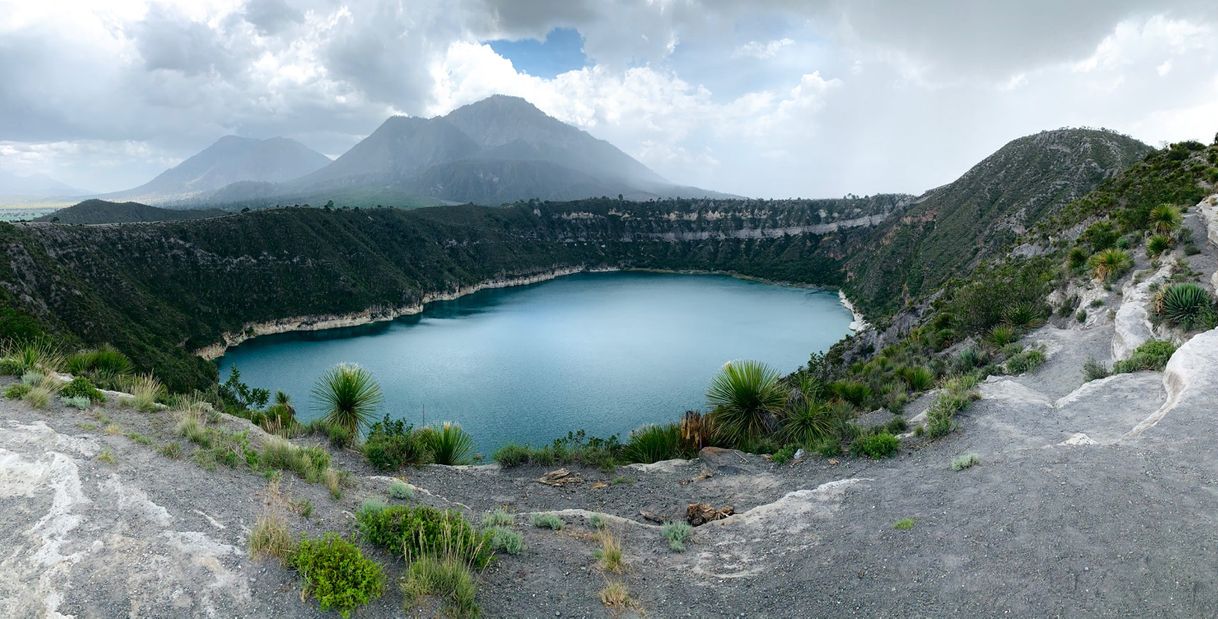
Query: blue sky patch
562, 51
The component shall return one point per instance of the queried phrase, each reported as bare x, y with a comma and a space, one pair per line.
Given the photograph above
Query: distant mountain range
35, 188
230, 160
501, 149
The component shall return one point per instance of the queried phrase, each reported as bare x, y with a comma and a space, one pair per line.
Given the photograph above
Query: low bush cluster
80, 387
876, 446
957, 393
337, 574
1152, 355
415, 531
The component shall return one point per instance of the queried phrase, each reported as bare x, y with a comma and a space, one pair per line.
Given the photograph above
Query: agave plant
918, 378
653, 443
744, 398
1156, 245
448, 443
348, 396
1165, 218
1186, 305
807, 423
1109, 264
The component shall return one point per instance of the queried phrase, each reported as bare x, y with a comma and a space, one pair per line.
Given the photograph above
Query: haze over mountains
230, 160
498, 150
37, 187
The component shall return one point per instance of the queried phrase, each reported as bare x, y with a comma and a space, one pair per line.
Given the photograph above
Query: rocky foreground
1089, 498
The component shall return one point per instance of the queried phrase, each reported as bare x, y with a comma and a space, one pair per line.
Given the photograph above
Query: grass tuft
959, 463
609, 555
270, 537
400, 490
677, 533
547, 521
448, 579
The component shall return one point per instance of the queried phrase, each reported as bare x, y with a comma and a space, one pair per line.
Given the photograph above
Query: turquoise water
605, 352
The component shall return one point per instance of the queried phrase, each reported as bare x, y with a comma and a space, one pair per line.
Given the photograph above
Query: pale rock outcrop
1132, 321
1189, 378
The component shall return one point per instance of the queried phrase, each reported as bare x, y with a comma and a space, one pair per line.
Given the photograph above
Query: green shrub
957, 393
511, 455
959, 463
310, 463
903, 524
16, 391
76, 402
784, 455
876, 446
1150, 356
547, 521
400, 490
1186, 305
447, 578
1025, 361
105, 360
80, 387
677, 533
417, 531
1094, 370
503, 539
854, 392
577, 447
1081, 315
392, 445
337, 573
653, 443
744, 398
828, 447
448, 444
498, 518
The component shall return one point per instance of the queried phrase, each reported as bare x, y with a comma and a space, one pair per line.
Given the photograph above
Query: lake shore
376, 314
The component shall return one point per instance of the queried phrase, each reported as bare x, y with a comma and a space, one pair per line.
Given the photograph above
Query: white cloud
762, 50
774, 98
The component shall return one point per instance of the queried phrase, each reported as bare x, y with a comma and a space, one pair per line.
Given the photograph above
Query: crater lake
602, 352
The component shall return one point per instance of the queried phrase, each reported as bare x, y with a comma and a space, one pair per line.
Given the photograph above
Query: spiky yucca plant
745, 398
348, 397
1186, 305
448, 443
1165, 218
1109, 264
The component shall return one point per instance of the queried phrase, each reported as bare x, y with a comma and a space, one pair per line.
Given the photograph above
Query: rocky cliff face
163, 290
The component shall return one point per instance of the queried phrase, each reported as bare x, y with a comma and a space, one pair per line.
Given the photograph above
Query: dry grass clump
616, 596
270, 537
609, 555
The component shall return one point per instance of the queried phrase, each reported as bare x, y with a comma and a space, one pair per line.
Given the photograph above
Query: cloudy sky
768, 98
